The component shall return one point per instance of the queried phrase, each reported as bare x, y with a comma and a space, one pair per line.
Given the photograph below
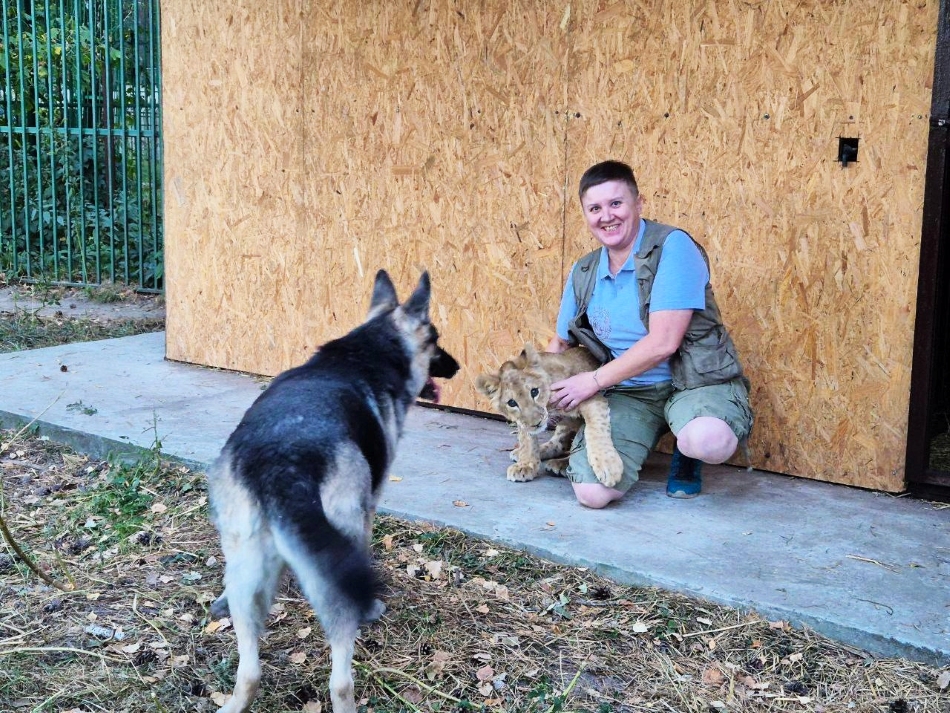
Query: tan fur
520, 392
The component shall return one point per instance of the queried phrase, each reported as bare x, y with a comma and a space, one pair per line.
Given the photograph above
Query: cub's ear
384, 295
487, 384
417, 306
530, 355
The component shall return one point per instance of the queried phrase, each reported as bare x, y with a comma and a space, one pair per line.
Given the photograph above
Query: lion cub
520, 392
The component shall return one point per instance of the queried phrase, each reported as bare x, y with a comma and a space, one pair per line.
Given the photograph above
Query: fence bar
80, 175
8, 99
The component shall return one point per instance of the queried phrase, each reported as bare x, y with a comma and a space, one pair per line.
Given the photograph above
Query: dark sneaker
685, 480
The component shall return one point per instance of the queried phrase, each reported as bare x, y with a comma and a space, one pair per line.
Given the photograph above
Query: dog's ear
487, 384
417, 306
384, 295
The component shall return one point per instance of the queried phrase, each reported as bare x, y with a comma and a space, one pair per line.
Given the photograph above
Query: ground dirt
107, 571
101, 304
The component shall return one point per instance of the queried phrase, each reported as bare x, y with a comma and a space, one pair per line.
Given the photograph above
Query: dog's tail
342, 562
354, 575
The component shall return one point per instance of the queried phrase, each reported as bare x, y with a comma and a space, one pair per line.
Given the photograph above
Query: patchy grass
23, 330
471, 626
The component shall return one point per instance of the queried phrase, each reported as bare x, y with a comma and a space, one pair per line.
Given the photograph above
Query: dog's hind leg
339, 612
252, 572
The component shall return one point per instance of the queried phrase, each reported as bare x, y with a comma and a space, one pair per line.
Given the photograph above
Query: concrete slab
868, 569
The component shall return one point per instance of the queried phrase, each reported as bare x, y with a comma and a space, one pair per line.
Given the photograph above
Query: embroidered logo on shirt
600, 321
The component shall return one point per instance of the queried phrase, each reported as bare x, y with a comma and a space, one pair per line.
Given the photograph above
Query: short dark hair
607, 171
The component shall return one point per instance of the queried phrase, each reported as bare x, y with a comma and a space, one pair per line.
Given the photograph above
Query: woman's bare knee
708, 439
594, 495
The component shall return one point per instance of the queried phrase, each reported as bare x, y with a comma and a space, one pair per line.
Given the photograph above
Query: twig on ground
8, 536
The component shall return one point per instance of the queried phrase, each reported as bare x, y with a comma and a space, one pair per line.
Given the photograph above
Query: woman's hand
571, 392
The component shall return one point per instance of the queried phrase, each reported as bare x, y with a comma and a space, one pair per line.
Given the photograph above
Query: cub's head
520, 390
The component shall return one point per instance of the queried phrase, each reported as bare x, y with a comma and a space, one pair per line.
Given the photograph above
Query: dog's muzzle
442, 366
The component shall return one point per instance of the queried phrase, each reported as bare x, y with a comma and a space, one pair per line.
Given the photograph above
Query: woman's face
612, 213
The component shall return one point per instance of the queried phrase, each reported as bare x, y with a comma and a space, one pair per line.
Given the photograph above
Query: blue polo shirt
614, 309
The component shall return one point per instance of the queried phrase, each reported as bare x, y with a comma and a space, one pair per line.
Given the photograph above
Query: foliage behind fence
80, 145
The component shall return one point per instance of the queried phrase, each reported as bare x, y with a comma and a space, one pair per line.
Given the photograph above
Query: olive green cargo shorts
640, 415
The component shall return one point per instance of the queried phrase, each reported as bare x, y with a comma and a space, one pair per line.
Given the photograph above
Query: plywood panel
433, 141
730, 113
308, 144
234, 180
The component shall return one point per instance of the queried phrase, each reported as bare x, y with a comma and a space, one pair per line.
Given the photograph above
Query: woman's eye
512, 403
535, 392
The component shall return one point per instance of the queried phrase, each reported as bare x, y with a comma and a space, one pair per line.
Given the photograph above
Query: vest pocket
702, 363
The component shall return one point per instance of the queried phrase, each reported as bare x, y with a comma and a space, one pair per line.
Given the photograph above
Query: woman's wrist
596, 380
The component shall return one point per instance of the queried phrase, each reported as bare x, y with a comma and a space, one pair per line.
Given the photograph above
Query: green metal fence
80, 142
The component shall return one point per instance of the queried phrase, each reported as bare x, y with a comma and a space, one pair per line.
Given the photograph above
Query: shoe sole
681, 495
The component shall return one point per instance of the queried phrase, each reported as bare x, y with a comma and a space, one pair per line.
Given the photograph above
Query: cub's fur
520, 392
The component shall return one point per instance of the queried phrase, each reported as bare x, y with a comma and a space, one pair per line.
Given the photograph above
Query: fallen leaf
387, 542
640, 628
434, 568
394, 478
482, 609
304, 633
217, 624
218, 698
412, 694
460, 503
485, 673
943, 680
712, 676
437, 664
298, 657
159, 508
312, 707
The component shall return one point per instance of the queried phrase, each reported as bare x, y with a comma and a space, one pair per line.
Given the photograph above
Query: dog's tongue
431, 391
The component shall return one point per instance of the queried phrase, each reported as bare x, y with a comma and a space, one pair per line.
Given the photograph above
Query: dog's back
297, 481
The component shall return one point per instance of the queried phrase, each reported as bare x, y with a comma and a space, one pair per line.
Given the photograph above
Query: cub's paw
522, 472
608, 467
557, 466
552, 449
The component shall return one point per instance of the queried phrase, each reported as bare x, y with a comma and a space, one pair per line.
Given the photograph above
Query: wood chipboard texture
308, 144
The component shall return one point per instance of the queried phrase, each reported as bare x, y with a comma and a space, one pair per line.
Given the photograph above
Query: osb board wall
309, 143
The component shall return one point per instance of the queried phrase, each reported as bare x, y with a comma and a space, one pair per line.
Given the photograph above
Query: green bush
80, 150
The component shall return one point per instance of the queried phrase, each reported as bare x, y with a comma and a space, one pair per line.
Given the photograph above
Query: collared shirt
614, 309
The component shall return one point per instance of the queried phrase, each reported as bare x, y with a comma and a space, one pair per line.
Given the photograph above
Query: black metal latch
847, 151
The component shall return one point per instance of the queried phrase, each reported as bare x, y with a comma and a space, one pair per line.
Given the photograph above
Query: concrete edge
862, 642
97, 447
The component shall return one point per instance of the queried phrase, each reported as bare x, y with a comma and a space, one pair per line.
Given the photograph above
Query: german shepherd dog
296, 484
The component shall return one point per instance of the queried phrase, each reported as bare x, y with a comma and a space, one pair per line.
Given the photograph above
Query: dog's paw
522, 472
377, 609
219, 607
557, 466
608, 467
